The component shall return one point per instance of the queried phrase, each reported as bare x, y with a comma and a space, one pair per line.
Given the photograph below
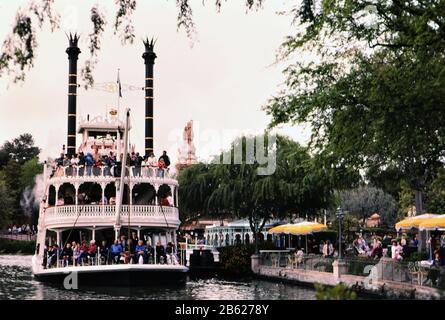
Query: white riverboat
101, 203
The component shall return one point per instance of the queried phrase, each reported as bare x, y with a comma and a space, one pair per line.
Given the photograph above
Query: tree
6, 204
238, 190
367, 96
376, 117
435, 194
362, 202
30, 169
19, 47
11, 175
21, 149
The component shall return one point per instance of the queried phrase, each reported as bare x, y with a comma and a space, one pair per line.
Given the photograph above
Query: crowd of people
121, 251
93, 163
373, 249
377, 247
24, 229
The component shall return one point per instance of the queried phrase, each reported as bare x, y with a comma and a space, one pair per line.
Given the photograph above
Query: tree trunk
419, 210
256, 229
418, 202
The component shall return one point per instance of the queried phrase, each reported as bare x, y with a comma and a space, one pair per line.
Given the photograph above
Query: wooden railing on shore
18, 237
397, 271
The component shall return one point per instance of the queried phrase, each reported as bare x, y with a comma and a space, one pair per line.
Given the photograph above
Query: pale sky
221, 82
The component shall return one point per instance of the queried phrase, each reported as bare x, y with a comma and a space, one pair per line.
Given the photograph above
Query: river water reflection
17, 282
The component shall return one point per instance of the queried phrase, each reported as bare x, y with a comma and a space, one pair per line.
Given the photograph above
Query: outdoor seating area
401, 258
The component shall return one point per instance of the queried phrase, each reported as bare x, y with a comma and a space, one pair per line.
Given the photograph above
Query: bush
339, 292
417, 256
13, 246
236, 259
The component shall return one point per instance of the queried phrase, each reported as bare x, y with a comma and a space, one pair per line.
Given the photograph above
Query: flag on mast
119, 84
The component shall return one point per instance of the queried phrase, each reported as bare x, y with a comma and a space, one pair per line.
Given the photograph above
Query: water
17, 282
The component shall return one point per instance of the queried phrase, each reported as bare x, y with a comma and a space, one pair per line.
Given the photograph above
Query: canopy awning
435, 223
297, 229
413, 222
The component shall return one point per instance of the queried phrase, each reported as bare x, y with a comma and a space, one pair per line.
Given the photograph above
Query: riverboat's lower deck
74, 277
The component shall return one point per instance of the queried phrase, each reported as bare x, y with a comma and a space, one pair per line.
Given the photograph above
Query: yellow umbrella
437, 222
413, 222
302, 228
279, 229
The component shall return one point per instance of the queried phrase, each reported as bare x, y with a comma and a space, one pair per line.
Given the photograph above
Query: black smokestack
149, 58
73, 53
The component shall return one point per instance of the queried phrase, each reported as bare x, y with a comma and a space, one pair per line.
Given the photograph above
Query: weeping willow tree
240, 189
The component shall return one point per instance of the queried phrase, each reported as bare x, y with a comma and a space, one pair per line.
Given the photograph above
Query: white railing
58, 261
74, 171
89, 215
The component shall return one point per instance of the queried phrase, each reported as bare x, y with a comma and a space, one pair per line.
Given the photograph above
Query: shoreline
8, 246
363, 286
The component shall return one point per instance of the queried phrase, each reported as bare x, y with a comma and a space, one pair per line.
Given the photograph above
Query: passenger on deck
92, 249
149, 252
59, 161
104, 253
116, 251
76, 250
140, 252
123, 242
161, 169
89, 162
52, 256
165, 158
137, 164
83, 252
152, 164
81, 164
160, 253
67, 255
171, 256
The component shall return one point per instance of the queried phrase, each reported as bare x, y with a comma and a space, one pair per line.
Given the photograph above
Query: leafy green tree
238, 190
20, 149
362, 202
6, 204
435, 195
195, 188
30, 169
11, 173
376, 116
350, 225
366, 94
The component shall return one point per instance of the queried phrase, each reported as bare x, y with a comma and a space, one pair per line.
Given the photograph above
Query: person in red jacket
92, 249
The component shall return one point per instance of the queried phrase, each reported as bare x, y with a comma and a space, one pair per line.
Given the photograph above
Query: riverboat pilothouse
105, 218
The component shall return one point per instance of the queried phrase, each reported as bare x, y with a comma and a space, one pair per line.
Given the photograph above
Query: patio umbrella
413, 222
279, 229
299, 229
434, 223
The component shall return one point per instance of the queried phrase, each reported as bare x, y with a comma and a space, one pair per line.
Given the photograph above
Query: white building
234, 232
